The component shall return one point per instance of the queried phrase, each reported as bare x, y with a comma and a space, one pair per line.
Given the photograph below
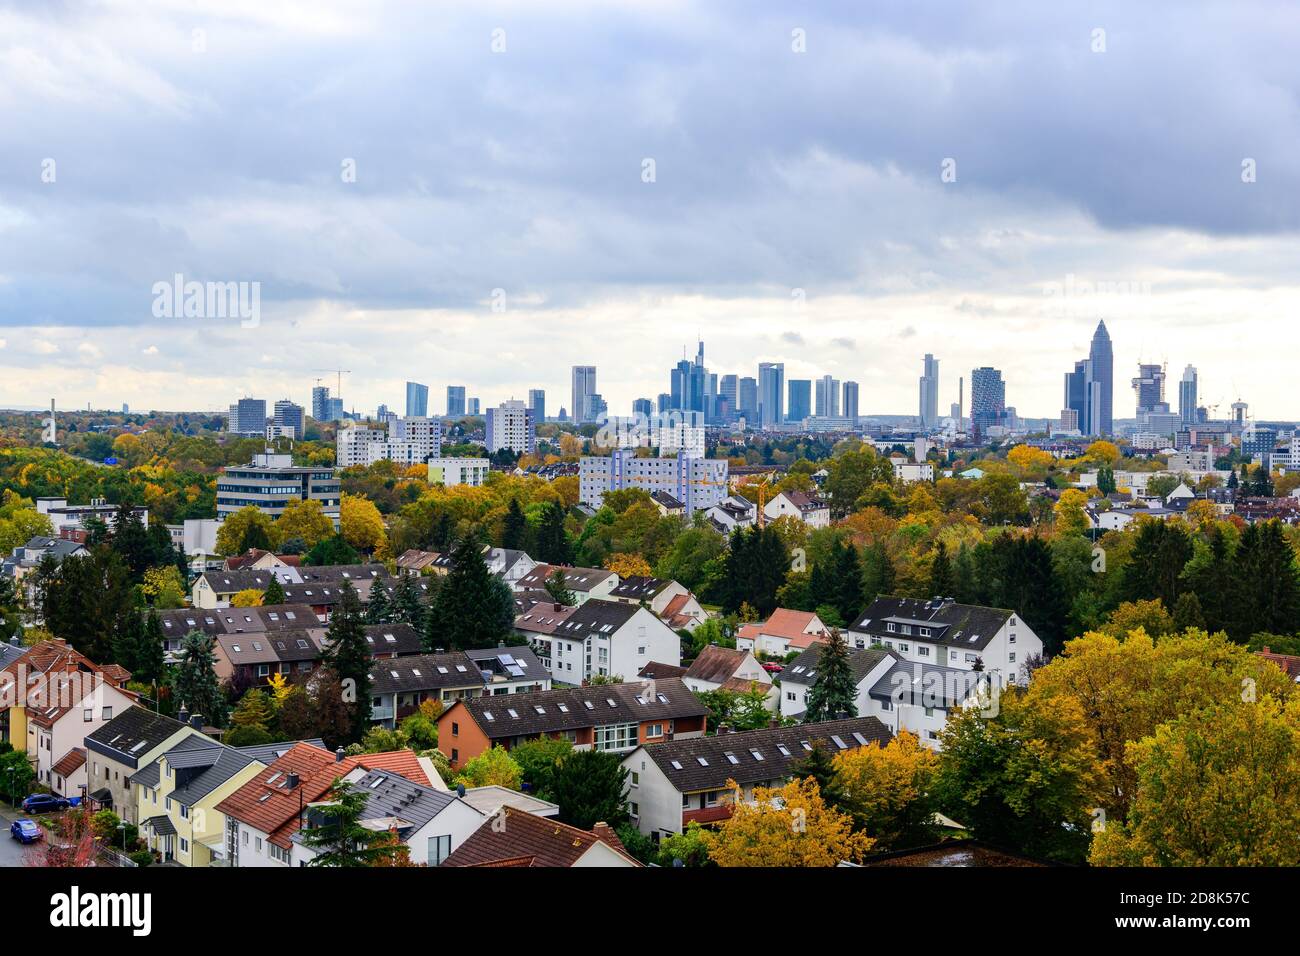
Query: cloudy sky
486, 194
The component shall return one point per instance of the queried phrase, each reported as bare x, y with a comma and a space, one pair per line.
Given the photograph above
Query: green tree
195, 683
941, 576
1267, 584
378, 610
553, 545
558, 588
834, 691
538, 760
472, 607
513, 527
274, 593
331, 550
1161, 549
338, 836
591, 787
492, 768
349, 656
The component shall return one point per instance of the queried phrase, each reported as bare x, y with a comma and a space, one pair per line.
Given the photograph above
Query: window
923, 651
439, 848
634, 809
108, 713
654, 730
1012, 657
615, 737
88, 714
455, 729
635, 779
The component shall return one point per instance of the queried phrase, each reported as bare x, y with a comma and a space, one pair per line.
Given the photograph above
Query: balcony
707, 815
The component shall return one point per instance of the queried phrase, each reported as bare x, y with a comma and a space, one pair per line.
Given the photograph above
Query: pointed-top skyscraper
1103, 373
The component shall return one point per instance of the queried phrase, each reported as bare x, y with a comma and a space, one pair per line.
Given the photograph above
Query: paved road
11, 851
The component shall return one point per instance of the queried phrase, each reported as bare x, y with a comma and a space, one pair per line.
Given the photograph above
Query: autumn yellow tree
1216, 787
1103, 452
249, 597
628, 565
1030, 459
886, 790
304, 519
1202, 514
1128, 688
786, 826
1149, 616
163, 587
361, 523
1071, 516
248, 523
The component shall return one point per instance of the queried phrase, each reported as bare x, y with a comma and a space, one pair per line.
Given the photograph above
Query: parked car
773, 668
25, 831
44, 803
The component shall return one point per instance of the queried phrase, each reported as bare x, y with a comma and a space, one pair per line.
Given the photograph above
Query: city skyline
974, 218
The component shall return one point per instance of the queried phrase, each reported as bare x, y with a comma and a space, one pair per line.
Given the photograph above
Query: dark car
43, 803
25, 831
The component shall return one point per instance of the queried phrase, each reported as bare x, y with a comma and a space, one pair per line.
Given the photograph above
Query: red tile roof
48, 666
70, 762
1288, 662
786, 624
523, 839
267, 804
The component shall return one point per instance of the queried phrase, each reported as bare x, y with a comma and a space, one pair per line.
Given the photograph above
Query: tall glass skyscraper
771, 386
584, 386
1102, 360
417, 400
988, 398
929, 407
800, 406
456, 401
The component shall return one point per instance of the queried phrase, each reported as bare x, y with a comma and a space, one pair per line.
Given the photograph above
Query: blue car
44, 802
25, 831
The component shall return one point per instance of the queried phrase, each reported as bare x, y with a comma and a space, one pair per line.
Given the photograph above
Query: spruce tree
941, 575
848, 584
349, 657
472, 608
558, 588
1267, 592
553, 545
274, 593
407, 607
149, 656
378, 610
834, 690
819, 764
513, 527
195, 682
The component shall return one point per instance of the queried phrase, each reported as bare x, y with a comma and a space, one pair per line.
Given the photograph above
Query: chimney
774, 723
558, 606
291, 781
460, 790
183, 715
338, 755
14, 642
501, 643
196, 721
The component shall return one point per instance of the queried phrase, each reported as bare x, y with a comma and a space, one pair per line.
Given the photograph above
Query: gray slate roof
572, 708
391, 795
862, 661
927, 685
950, 624
707, 763
135, 731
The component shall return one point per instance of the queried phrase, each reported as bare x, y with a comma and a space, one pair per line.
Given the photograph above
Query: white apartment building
696, 482
458, 471
408, 441
678, 437
510, 425
913, 471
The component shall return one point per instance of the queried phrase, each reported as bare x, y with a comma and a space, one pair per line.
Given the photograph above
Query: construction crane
338, 371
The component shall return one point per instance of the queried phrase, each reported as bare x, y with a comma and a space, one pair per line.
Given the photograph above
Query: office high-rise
289, 414
828, 397
1187, 396
771, 388
417, 400
248, 417
1149, 386
642, 407
729, 391
929, 387
537, 402
320, 403
1102, 359
1083, 397
584, 386
456, 401
988, 398
850, 409
800, 395
747, 400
